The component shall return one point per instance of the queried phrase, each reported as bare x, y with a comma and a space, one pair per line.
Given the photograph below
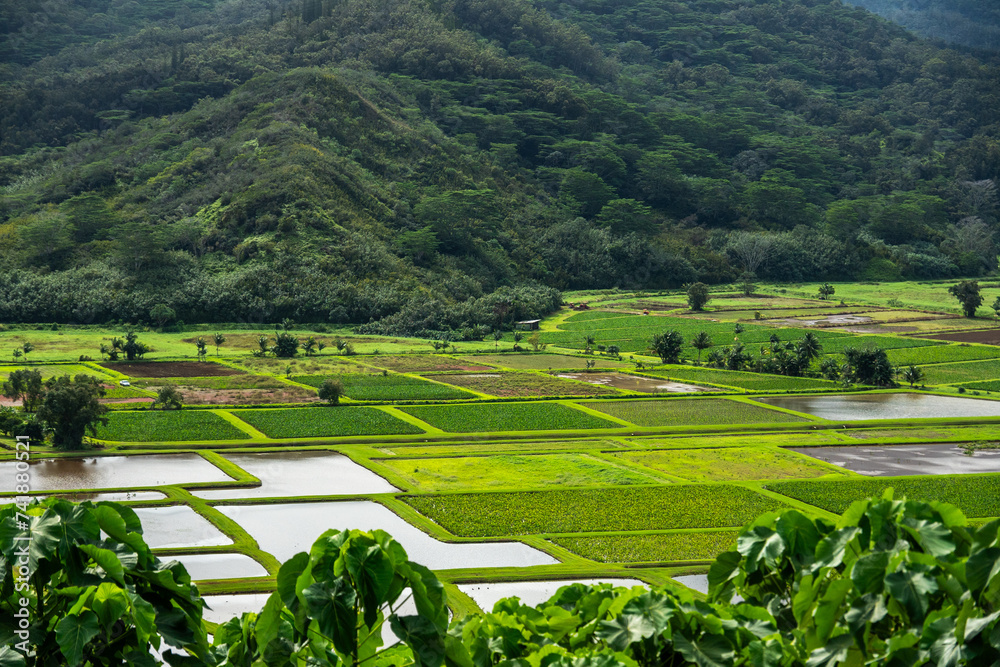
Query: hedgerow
168, 425
976, 495
593, 510
648, 548
324, 422
506, 417
690, 412
377, 387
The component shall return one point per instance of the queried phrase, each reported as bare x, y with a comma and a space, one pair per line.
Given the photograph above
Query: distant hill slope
974, 23
432, 166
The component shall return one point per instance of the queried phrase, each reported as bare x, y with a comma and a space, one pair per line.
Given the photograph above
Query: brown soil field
986, 336
421, 363
202, 396
170, 369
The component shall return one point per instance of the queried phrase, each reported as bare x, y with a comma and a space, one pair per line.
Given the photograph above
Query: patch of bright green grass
740, 379
53, 370
729, 463
936, 354
506, 417
690, 412
518, 384
118, 392
838, 345
487, 447
378, 387
221, 382
987, 385
650, 548
168, 426
970, 371
594, 510
513, 471
324, 422
976, 495
541, 362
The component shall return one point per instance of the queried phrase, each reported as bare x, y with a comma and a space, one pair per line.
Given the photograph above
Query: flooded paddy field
907, 459
636, 383
530, 592
846, 407
109, 472
219, 566
177, 527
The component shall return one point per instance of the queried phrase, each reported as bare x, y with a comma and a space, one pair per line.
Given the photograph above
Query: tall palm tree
701, 341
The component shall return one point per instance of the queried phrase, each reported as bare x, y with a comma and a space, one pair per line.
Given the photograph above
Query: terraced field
689, 412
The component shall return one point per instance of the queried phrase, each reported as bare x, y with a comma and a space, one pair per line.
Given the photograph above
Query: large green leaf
373, 573
868, 572
706, 651
830, 550
828, 609
912, 589
10, 658
623, 630
107, 560
331, 605
981, 567
800, 536
110, 603
73, 633
935, 538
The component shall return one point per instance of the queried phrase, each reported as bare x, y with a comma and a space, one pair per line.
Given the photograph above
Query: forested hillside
426, 166
972, 23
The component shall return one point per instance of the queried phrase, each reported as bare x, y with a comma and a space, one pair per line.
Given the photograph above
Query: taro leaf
373, 573
805, 597
268, 621
423, 636
832, 654
73, 633
981, 567
868, 608
46, 532
725, 568
934, 537
757, 542
143, 615
175, 626
945, 648
766, 654
140, 658
428, 593
10, 658
912, 589
108, 561
128, 515
800, 536
828, 610
288, 574
623, 630
868, 573
830, 550
331, 606
110, 603
111, 522
709, 651
653, 608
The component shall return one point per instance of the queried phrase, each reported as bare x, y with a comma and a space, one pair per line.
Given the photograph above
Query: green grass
324, 422
594, 510
986, 385
838, 345
970, 371
118, 392
690, 412
169, 426
54, 370
518, 471
522, 384
740, 379
378, 387
729, 463
466, 448
650, 548
506, 417
218, 383
416, 363
976, 495
546, 361
941, 354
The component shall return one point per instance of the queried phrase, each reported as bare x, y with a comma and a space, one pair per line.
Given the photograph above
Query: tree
830, 369
826, 290
751, 249
169, 398
218, 339
201, 345
27, 348
71, 408
746, 283
309, 347
996, 306
535, 341
518, 337
697, 295
26, 386
701, 341
16, 354
285, 345
912, 374
131, 347
162, 313
868, 366
809, 348
967, 293
331, 390
498, 336
667, 346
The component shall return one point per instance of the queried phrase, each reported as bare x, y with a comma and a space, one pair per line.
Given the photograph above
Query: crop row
839, 344
473, 418
378, 387
941, 354
970, 371
325, 422
168, 426
648, 548
976, 495
691, 412
594, 510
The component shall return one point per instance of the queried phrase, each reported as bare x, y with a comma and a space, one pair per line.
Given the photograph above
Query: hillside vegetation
967, 22
425, 166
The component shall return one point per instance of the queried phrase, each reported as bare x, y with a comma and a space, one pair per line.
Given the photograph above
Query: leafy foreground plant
890, 583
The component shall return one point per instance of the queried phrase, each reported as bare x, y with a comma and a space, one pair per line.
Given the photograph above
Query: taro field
488, 467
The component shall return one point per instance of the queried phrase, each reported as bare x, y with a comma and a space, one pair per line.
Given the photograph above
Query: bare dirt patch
421, 363
830, 321
170, 369
203, 396
985, 336
636, 383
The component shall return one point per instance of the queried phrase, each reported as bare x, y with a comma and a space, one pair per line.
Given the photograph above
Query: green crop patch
969, 371
325, 422
522, 384
168, 426
218, 383
303, 365
838, 345
729, 463
378, 387
987, 385
420, 363
514, 471
118, 393
650, 548
594, 510
690, 412
976, 495
466, 448
541, 362
54, 370
741, 379
936, 354
506, 417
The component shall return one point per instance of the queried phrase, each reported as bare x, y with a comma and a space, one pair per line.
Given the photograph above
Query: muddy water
175, 527
907, 459
886, 406
301, 474
636, 383
219, 566
531, 593
103, 472
285, 530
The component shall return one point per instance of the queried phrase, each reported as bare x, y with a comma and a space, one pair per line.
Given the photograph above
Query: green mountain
972, 23
429, 166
